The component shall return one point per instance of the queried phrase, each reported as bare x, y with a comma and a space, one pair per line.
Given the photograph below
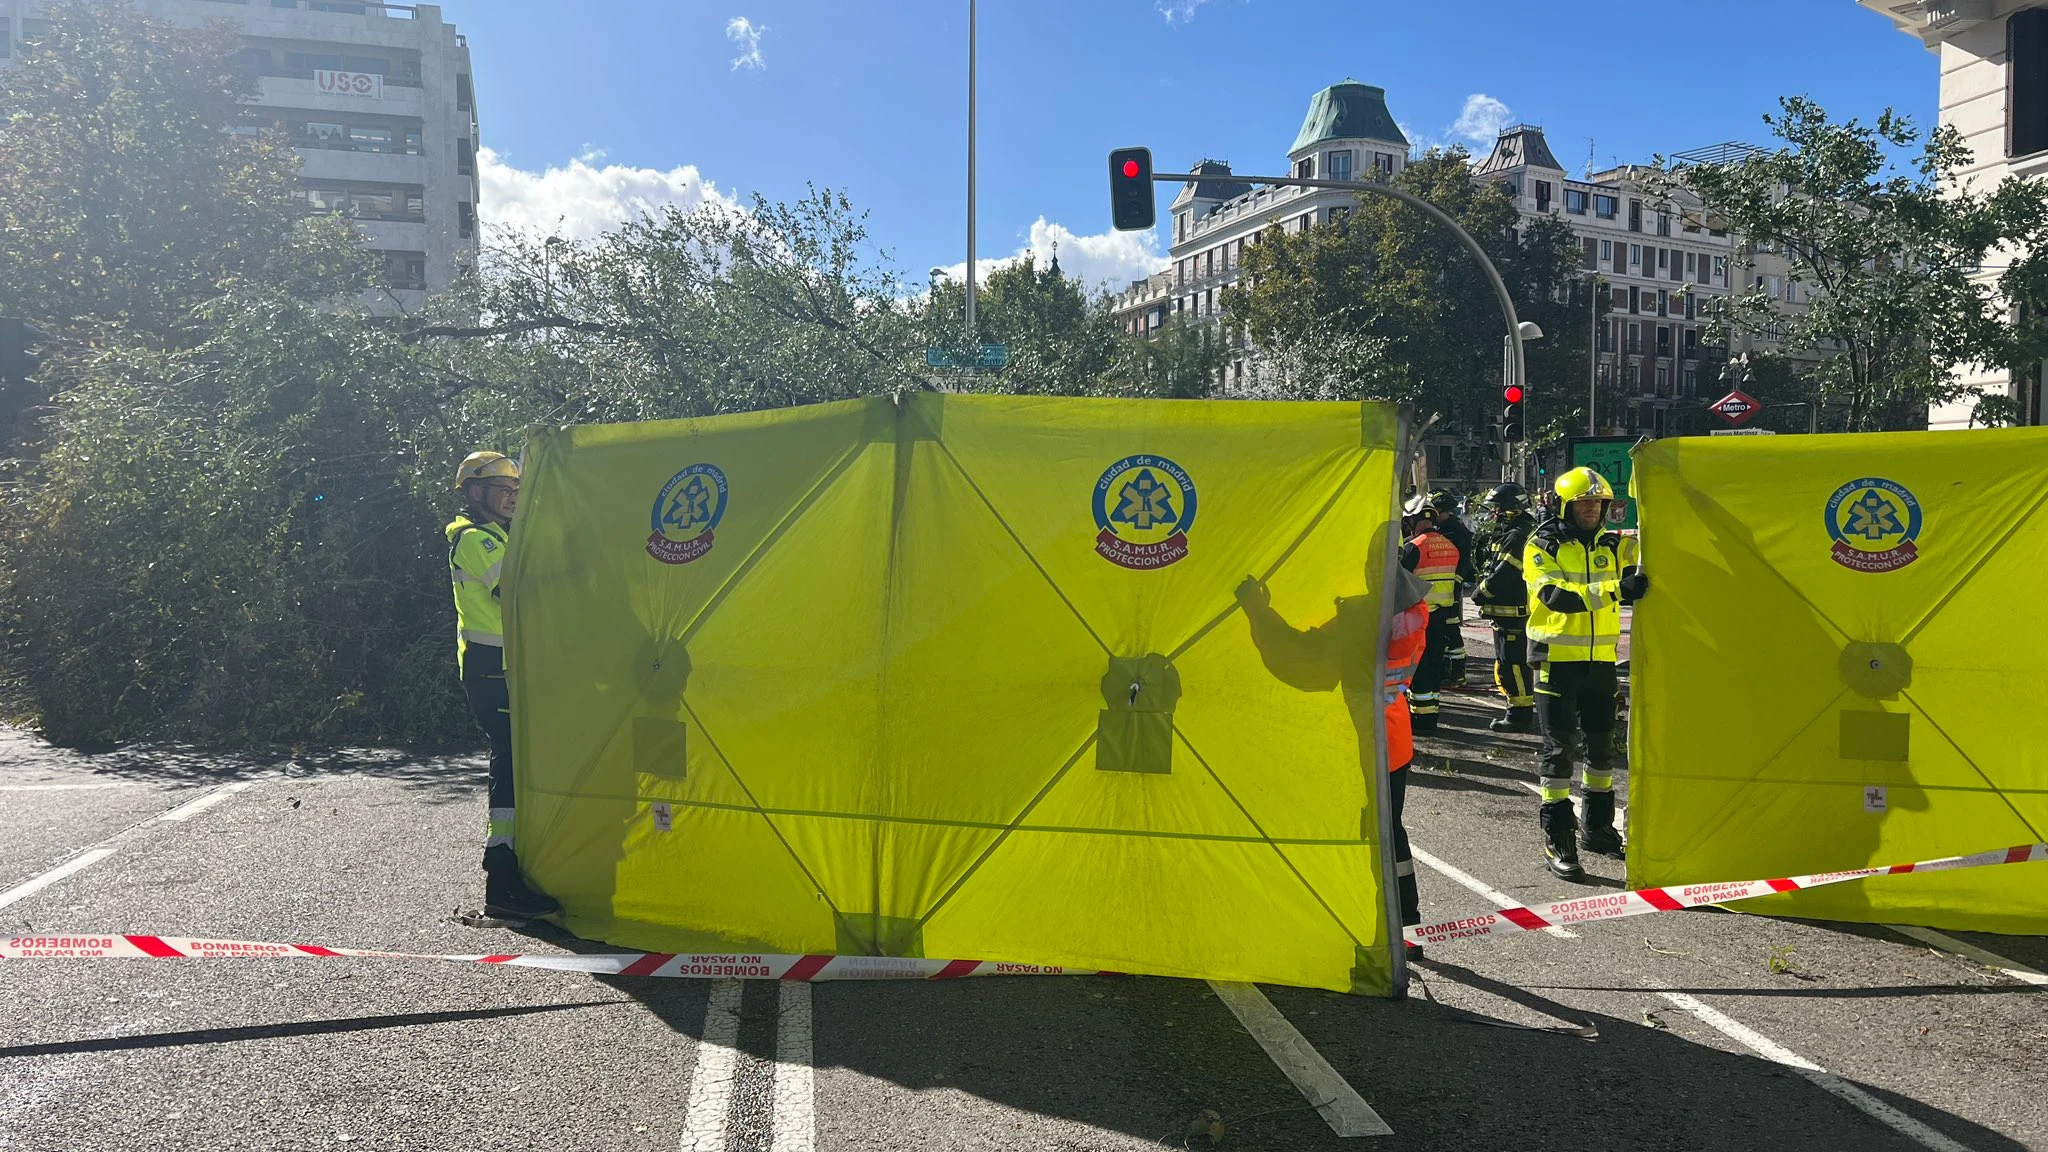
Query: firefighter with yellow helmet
478, 540
1579, 576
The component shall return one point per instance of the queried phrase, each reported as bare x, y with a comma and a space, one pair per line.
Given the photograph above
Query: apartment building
1993, 78
1348, 134
380, 103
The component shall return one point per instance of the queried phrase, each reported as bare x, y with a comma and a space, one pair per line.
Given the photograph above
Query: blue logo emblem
1144, 507
690, 505
1875, 523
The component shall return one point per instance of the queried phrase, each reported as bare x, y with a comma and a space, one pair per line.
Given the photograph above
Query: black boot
506, 893
1559, 827
1516, 720
1411, 906
1599, 835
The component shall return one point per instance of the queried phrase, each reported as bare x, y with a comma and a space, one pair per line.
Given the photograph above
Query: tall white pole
973, 345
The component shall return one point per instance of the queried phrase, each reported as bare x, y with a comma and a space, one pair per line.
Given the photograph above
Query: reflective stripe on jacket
1558, 564
1435, 559
1502, 592
476, 558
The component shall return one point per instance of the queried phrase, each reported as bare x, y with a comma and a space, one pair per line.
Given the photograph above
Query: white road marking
69, 787
1342, 1107
193, 808
37, 884
93, 856
1500, 899
1856, 1097
711, 1081
1989, 959
795, 1124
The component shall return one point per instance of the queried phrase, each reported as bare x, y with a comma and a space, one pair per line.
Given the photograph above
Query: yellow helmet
1583, 484
485, 466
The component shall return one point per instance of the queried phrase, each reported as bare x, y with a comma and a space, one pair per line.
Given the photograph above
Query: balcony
294, 92
366, 167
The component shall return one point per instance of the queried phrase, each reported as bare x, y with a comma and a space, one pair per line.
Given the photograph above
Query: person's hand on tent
1253, 594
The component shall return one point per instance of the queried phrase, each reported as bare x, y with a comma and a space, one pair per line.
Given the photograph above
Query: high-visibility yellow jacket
476, 556
1575, 598
1433, 557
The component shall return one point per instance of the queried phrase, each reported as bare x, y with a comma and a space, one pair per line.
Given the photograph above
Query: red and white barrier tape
1642, 901
93, 946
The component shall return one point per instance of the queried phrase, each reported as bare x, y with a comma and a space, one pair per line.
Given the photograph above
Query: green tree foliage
1060, 341
1890, 256
124, 203
1384, 303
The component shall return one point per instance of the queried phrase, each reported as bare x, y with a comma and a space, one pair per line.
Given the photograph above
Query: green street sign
1608, 455
991, 358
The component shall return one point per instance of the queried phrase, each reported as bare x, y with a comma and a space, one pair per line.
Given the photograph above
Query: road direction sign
1737, 407
990, 358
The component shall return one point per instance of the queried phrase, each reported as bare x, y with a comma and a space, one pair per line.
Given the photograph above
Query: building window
467, 212
465, 157
2026, 45
1635, 338
1514, 237
1338, 165
1635, 302
33, 31
1663, 380
1635, 215
464, 101
1543, 195
1575, 201
1305, 168
1605, 206
1606, 250
1209, 262
1663, 259
1663, 306
1691, 346
1689, 379
1720, 269
1663, 340
1692, 264
1635, 255
1663, 223
1383, 163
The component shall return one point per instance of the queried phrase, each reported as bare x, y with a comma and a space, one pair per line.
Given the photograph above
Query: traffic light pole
1500, 288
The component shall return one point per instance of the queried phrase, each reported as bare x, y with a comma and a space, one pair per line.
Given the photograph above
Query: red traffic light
1130, 169
1511, 393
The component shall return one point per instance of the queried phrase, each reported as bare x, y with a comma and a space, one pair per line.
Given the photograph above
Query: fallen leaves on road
1209, 1123
1652, 1020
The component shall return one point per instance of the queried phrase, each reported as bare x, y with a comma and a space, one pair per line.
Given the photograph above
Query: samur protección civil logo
690, 505
1144, 508
1874, 523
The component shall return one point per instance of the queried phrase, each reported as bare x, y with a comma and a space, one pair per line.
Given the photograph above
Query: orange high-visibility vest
1437, 565
1405, 641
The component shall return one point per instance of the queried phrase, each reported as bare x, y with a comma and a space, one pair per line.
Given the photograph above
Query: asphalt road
1676, 1031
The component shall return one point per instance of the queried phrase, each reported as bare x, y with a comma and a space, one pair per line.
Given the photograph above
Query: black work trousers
1575, 707
1426, 686
1404, 861
1511, 672
483, 681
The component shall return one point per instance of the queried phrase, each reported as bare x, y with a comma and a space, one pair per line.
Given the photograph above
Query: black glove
1634, 585
1560, 600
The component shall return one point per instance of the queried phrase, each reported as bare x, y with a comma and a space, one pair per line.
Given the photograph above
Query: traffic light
1130, 189
1512, 425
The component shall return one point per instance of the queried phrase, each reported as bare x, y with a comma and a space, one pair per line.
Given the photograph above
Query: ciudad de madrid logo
1875, 524
690, 505
1144, 508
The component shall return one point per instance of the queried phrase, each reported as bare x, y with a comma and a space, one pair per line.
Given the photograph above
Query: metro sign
1737, 407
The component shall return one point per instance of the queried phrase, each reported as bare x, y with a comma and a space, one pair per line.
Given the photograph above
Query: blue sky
598, 109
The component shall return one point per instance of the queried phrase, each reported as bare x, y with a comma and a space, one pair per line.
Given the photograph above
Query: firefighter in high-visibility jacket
1432, 557
1341, 653
1443, 509
1503, 599
477, 542
1579, 576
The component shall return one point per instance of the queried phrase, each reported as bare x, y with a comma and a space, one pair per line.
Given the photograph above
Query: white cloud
746, 36
1105, 259
585, 197
1178, 11
1482, 119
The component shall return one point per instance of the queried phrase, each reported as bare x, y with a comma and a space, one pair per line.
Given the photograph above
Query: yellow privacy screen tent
955, 677
1839, 666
